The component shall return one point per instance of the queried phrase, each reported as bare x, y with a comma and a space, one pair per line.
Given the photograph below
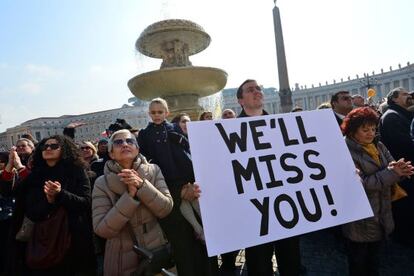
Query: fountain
177, 81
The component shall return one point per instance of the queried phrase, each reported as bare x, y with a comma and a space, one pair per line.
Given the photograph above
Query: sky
76, 56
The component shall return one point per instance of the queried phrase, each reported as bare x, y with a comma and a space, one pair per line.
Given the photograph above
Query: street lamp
369, 83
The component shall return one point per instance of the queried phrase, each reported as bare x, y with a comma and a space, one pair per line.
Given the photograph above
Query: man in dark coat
341, 103
259, 258
394, 128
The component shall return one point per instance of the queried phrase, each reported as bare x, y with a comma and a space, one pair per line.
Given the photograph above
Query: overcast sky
73, 57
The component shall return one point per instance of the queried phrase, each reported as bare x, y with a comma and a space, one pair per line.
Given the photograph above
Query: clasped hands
190, 191
132, 179
51, 189
402, 167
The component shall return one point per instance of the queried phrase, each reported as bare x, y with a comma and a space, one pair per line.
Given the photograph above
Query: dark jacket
395, 132
166, 145
75, 197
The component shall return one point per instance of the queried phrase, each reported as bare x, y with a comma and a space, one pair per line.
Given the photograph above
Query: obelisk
285, 93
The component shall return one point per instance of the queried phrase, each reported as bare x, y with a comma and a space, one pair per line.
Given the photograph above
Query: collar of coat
243, 113
112, 168
401, 110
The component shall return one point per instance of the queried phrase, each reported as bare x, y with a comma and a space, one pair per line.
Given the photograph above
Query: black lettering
256, 134
305, 138
290, 168
285, 135
234, 139
273, 182
264, 210
313, 165
286, 223
308, 215
251, 169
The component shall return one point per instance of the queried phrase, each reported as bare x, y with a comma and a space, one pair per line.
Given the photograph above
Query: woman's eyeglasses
51, 146
121, 142
85, 148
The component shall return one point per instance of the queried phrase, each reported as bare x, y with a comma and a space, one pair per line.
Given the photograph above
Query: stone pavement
324, 255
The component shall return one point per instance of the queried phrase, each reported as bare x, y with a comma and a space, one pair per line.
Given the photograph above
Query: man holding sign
268, 178
259, 258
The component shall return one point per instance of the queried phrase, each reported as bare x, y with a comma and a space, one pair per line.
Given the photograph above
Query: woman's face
365, 134
183, 123
124, 148
51, 150
208, 116
87, 152
22, 147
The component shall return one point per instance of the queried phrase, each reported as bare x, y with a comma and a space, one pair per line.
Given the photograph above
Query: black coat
395, 132
75, 197
166, 146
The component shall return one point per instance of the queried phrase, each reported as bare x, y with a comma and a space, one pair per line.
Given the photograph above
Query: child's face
157, 113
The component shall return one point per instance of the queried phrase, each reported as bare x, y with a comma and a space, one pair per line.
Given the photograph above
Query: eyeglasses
184, 121
120, 142
345, 98
155, 112
51, 146
85, 148
253, 88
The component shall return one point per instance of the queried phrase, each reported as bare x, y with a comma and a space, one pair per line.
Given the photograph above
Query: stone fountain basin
202, 81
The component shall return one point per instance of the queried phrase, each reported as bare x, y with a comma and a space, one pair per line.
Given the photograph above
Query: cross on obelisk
285, 93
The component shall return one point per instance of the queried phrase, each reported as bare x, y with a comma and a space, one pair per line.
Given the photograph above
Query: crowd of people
128, 205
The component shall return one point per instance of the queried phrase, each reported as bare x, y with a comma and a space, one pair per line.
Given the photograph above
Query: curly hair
202, 116
358, 117
71, 155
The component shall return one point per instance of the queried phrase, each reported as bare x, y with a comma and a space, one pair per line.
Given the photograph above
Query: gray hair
122, 131
394, 94
29, 143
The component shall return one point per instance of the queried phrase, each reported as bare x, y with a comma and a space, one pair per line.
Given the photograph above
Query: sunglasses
51, 146
85, 148
345, 98
120, 142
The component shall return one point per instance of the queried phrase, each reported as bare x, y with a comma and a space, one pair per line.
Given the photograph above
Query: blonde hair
91, 146
160, 101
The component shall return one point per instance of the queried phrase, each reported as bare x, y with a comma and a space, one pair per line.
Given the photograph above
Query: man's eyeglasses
253, 88
51, 146
120, 142
345, 98
155, 112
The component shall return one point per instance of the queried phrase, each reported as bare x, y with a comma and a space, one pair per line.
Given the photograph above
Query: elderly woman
379, 174
131, 194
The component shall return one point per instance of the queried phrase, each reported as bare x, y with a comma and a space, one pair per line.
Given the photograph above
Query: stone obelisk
285, 93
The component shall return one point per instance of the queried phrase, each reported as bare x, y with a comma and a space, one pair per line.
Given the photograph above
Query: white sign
271, 177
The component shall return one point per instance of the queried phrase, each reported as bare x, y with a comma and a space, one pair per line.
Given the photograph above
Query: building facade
311, 98
96, 124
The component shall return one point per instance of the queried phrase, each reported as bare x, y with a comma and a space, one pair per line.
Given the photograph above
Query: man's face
103, 147
404, 99
252, 96
343, 104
